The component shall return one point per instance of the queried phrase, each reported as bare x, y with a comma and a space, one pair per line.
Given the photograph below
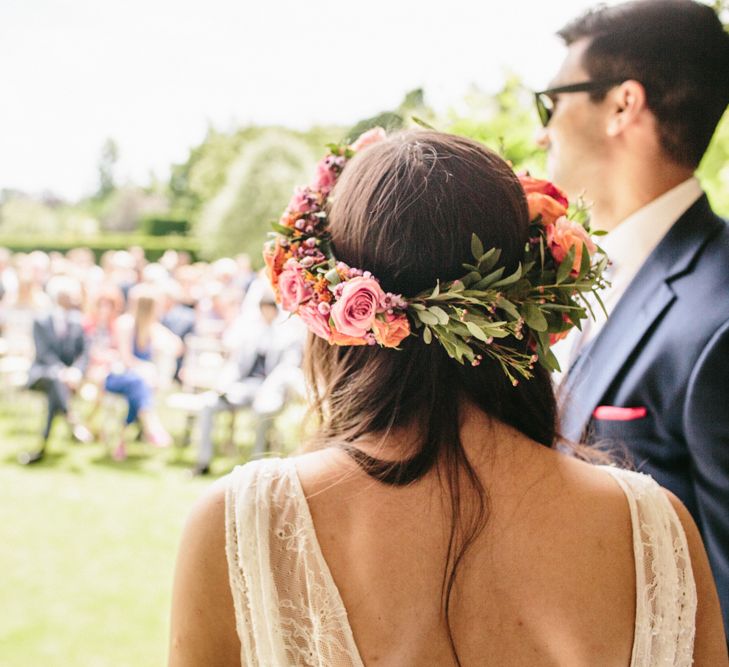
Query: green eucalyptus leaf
464, 350
440, 314
489, 279
476, 247
426, 317
470, 278
508, 307
281, 229
584, 262
456, 286
488, 260
436, 290
497, 330
566, 266
510, 280
476, 331
549, 361
534, 317
427, 335
419, 121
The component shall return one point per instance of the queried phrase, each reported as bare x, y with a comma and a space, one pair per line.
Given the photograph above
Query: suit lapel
647, 297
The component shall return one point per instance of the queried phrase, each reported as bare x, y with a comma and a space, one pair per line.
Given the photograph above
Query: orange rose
550, 209
540, 186
342, 339
566, 234
392, 331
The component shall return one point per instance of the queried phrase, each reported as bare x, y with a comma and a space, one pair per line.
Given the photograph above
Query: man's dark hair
678, 50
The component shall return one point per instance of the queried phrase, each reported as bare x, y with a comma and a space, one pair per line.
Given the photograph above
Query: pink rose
326, 177
357, 306
373, 136
565, 234
391, 331
293, 289
317, 322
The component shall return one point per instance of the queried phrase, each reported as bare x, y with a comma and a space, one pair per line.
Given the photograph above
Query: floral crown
538, 303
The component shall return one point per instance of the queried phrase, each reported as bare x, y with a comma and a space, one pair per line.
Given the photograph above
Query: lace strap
247, 511
665, 611
288, 609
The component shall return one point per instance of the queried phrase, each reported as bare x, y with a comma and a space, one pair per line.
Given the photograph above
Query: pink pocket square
614, 413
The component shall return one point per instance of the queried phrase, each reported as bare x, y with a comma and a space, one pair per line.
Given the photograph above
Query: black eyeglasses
545, 99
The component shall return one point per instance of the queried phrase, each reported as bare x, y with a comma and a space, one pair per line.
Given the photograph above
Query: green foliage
413, 104
505, 122
154, 246
107, 168
161, 226
232, 186
23, 215
714, 169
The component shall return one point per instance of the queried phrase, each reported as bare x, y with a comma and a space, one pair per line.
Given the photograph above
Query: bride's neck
481, 435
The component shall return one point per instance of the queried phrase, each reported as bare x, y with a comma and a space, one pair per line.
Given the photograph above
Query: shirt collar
633, 240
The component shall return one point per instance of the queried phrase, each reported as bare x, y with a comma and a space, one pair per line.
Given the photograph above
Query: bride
434, 521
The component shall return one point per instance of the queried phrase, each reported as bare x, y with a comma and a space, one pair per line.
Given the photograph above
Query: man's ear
626, 101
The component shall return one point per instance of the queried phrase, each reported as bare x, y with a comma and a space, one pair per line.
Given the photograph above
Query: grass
87, 545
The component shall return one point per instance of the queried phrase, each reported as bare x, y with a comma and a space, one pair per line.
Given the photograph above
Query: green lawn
87, 545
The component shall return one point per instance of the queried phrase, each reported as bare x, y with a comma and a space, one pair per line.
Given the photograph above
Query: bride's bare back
550, 580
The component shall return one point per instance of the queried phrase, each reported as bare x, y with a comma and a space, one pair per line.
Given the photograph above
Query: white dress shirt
628, 247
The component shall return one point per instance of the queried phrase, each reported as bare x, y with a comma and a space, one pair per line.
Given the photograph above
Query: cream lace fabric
289, 611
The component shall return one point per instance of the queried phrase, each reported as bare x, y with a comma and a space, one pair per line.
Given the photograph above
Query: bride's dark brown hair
405, 209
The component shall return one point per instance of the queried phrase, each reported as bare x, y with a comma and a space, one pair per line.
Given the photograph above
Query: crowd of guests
129, 327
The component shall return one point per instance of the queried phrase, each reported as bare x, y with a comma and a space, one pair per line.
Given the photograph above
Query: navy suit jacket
665, 348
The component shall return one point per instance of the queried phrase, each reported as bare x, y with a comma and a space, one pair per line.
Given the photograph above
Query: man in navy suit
61, 358
626, 121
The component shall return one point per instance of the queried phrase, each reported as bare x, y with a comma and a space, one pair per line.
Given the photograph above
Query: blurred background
153, 142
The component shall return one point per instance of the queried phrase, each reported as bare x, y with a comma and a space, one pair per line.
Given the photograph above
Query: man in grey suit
263, 371
61, 358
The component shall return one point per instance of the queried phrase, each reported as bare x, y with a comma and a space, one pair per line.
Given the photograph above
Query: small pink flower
373, 136
565, 234
317, 321
326, 176
303, 201
293, 289
357, 306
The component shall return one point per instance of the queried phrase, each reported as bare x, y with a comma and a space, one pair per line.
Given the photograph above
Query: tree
107, 168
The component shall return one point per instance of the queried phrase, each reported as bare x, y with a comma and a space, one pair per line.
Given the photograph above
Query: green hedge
154, 246
156, 226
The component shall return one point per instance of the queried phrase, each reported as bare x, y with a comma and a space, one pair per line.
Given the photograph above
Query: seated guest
265, 368
139, 335
61, 357
178, 317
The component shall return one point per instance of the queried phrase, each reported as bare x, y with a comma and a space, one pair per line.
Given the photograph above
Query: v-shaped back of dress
289, 611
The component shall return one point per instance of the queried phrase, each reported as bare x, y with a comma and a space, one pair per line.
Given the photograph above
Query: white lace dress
289, 611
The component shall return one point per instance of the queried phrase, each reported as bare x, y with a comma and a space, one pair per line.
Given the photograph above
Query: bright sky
153, 74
